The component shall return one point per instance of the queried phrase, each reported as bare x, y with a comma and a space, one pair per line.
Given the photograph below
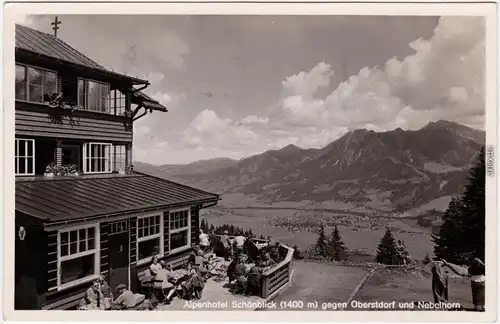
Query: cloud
211, 131
254, 120
443, 79
306, 84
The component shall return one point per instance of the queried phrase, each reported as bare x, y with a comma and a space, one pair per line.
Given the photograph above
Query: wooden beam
136, 111
141, 115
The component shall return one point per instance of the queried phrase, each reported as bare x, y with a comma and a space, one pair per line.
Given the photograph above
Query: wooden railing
279, 275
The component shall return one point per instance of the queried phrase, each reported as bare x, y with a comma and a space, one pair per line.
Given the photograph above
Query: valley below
298, 223
363, 182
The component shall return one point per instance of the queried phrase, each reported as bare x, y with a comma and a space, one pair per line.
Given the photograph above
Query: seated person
239, 272
267, 261
200, 262
254, 278
104, 287
197, 250
179, 279
274, 252
126, 298
194, 285
155, 266
93, 298
164, 278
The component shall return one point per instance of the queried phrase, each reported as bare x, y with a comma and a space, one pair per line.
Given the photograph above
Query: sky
236, 86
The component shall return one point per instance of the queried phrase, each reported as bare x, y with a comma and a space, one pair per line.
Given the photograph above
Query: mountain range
390, 171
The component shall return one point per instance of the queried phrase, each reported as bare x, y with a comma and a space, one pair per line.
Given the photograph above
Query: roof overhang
50, 225
107, 75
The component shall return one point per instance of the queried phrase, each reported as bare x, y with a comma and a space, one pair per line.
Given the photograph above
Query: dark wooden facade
37, 260
35, 120
102, 211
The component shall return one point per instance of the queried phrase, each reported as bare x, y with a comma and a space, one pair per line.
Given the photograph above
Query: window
149, 237
97, 157
20, 82
180, 234
32, 83
24, 157
119, 157
117, 103
118, 227
93, 96
78, 256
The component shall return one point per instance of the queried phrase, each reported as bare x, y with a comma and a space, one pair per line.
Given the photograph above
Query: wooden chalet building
81, 210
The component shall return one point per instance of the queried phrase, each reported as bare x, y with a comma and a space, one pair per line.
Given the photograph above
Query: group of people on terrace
247, 261
99, 296
239, 259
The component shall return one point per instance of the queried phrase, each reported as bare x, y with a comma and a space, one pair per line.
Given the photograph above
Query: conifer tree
321, 242
462, 234
336, 248
387, 251
450, 233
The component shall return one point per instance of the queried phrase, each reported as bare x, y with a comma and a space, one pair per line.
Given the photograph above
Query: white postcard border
12, 12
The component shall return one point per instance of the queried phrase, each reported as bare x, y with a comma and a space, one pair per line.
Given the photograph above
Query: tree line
462, 234
333, 248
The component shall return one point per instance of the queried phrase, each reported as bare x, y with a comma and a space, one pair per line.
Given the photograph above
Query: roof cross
55, 23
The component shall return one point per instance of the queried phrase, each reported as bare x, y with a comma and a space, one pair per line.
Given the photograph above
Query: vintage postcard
286, 162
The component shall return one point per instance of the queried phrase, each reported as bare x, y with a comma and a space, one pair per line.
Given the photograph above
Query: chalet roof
69, 199
43, 44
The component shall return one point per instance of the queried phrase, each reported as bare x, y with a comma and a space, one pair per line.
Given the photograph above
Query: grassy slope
322, 283
388, 285
332, 283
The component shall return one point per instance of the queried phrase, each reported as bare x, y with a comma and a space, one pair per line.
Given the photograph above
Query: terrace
218, 294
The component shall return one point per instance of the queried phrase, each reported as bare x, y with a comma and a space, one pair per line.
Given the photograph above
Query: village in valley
368, 220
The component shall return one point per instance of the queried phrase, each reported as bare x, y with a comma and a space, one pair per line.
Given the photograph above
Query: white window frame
26, 156
181, 229
159, 236
108, 165
26, 81
96, 251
